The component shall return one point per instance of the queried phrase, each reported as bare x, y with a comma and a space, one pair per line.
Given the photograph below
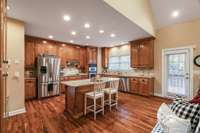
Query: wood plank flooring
135, 114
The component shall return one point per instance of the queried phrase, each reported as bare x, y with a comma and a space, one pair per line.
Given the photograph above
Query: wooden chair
112, 91
98, 93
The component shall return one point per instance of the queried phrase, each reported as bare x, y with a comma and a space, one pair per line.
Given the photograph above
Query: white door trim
191, 53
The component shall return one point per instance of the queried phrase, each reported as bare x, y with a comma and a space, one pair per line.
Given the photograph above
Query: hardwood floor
135, 114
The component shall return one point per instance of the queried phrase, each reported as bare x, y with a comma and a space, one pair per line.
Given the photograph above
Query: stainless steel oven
92, 70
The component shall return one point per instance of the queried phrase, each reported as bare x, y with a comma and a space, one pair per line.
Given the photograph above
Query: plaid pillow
198, 128
186, 110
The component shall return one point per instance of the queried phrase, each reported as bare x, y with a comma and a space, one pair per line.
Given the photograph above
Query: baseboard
15, 112
158, 95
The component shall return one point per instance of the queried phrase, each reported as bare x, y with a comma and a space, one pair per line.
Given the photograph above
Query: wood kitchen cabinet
30, 88
134, 85
142, 86
49, 48
29, 53
82, 58
91, 55
105, 57
142, 53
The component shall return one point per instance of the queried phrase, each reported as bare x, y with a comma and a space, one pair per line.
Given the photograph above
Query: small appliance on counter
92, 70
48, 69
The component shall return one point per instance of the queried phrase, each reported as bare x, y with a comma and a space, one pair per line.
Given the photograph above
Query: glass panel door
177, 73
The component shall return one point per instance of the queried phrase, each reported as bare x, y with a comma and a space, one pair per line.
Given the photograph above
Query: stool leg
110, 101
94, 109
85, 106
116, 100
102, 104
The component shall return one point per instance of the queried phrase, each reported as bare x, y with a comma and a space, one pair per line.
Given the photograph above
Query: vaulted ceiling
45, 17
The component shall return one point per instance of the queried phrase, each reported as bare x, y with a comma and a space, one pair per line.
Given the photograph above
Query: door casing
191, 51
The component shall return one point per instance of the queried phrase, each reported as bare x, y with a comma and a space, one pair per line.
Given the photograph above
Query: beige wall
138, 11
179, 35
15, 52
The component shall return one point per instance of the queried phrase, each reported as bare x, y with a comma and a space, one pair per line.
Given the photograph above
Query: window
119, 63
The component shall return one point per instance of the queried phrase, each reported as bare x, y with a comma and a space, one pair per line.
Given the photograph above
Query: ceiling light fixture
87, 37
67, 18
72, 41
50, 36
8, 8
112, 35
87, 25
175, 14
73, 33
101, 31
44, 42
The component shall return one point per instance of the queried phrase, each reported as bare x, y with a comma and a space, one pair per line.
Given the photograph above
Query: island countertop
85, 82
75, 91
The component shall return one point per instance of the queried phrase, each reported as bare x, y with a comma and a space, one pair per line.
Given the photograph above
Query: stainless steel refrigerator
48, 68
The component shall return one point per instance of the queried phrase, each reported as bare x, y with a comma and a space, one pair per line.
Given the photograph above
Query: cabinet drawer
144, 81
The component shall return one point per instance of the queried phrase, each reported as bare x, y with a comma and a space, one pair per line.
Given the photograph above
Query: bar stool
98, 93
112, 91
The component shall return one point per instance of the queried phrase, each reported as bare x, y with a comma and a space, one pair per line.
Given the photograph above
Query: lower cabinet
142, 86
67, 78
30, 88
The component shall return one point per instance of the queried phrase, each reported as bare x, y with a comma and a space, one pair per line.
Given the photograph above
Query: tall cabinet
142, 53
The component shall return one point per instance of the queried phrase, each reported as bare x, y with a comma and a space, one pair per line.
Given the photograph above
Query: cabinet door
144, 87
134, 88
105, 57
30, 88
62, 52
30, 53
146, 54
82, 58
94, 55
135, 55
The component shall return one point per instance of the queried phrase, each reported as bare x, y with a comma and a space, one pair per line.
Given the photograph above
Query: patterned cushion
186, 110
198, 128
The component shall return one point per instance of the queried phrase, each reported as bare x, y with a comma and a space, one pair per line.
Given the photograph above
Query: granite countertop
80, 74
85, 82
128, 75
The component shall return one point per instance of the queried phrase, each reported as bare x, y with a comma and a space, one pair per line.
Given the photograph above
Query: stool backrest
98, 87
114, 84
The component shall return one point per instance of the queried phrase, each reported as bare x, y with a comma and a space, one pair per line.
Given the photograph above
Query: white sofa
170, 122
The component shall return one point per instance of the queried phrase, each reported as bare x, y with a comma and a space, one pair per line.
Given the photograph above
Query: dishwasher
124, 84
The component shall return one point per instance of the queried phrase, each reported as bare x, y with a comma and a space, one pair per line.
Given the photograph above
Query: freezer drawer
48, 89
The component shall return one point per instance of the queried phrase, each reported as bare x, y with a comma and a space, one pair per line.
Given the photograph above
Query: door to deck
177, 72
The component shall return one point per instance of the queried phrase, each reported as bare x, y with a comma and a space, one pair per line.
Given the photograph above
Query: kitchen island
75, 91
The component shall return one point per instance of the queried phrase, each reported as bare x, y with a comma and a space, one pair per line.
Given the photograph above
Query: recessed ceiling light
50, 36
87, 25
73, 33
8, 8
101, 31
112, 35
87, 37
72, 41
175, 14
44, 41
67, 18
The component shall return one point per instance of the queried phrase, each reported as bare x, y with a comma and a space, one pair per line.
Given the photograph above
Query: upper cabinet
29, 53
66, 52
142, 53
105, 57
91, 55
